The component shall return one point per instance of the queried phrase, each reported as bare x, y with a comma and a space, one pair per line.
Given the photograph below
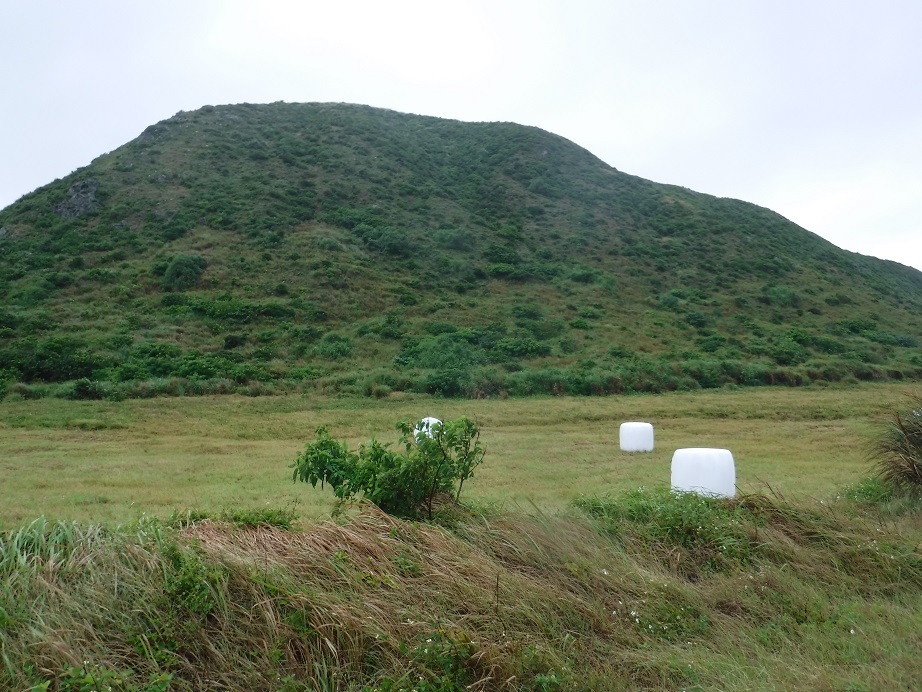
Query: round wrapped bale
704, 471
636, 437
426, 427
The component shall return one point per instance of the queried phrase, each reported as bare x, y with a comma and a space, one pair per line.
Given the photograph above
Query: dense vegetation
645, 590
898, 449
435, 461
287, 246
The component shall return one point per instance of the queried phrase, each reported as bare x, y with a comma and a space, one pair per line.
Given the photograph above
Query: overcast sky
812, 108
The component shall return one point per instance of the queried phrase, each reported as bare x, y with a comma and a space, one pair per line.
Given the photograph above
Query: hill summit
357, 249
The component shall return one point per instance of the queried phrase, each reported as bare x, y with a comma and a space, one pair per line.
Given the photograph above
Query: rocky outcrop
152, 133
80, 201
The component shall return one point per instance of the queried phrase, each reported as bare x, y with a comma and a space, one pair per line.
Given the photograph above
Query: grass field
632, 590
111, 462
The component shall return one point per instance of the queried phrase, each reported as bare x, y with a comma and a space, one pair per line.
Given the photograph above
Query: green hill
362, 250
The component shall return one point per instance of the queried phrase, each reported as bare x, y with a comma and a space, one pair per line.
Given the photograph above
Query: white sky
812, 108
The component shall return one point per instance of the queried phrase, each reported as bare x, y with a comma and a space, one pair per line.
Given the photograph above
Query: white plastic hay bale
425, 427
704, 471
636, 437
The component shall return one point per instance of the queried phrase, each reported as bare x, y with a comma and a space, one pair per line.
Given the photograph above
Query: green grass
629, 598
112, 462
573, 568
338, 263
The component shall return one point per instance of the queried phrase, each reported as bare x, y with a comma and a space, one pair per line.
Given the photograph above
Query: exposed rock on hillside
80, 201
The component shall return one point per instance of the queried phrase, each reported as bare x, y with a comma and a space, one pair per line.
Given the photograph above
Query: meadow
572, 567
112, 462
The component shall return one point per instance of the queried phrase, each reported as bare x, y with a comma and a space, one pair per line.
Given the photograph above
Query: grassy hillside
348, 248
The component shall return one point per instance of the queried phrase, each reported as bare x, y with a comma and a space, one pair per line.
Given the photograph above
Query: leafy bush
670, 301
522, 348
56, 359
456, 239
584, 275
697, 320
192, 583
826, 344
898, 450
385, 239
335, 346
88, 389
404, 483
527, 312
446, 351
786, 351
183, 272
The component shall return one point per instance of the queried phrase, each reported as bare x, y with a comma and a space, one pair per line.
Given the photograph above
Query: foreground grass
636, 590
111, 462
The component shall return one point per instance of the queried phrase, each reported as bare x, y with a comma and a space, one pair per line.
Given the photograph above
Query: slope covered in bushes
363, 250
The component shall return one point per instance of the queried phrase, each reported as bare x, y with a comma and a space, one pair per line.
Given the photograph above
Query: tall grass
46, 545
640, 590
898, 450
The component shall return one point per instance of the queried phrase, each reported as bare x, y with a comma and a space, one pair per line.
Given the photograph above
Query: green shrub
386, 240
527, 312
88, 389
898, 450
445, 382
712, 343
447, 351
234, 341
584, 275
755, 374
436, 328
522, 348
501, 254
335, 346
389, 326
710, 532
872, 491
786, 351
404, 483
697, 320
709, 374
826, 344
192, 584
56, 359
546, 329
670, 301
183, 272
456, 239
